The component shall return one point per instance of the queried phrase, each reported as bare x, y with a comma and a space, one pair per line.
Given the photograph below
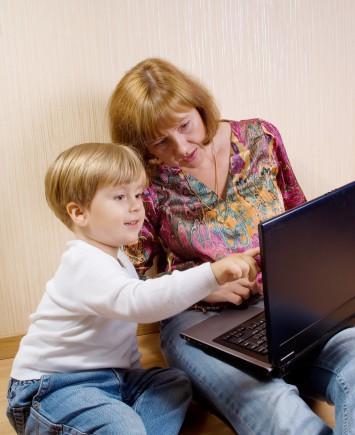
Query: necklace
215, 179
217, 215
216, 188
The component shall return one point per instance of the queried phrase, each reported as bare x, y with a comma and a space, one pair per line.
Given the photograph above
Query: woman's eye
159, 142
184, 125
118, 197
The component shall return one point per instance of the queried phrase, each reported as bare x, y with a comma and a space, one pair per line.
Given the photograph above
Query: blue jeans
273, 406
117, 401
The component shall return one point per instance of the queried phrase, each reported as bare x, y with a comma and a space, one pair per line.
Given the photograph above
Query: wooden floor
198, 421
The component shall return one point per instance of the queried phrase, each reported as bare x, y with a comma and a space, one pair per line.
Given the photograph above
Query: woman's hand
235, 292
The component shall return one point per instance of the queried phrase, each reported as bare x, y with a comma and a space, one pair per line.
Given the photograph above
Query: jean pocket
18, 417
39, 425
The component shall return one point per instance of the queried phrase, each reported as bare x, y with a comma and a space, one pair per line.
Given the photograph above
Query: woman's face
181, 145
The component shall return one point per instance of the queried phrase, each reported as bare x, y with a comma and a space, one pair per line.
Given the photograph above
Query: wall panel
288, 61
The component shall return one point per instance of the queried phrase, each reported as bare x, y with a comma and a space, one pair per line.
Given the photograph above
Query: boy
77, 370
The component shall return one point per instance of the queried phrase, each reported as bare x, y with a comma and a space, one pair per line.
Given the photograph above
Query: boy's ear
77, 213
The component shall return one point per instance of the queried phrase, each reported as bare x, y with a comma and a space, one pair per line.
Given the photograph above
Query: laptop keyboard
250, 335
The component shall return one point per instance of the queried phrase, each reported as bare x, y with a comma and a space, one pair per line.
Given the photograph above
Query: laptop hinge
287, 356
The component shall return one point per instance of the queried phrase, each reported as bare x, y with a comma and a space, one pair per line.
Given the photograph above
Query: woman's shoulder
153, 196
162, 177
247, 129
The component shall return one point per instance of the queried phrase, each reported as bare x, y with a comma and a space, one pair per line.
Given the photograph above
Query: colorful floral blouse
186, 223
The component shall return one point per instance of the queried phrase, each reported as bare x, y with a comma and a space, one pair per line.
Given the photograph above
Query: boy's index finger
252, 252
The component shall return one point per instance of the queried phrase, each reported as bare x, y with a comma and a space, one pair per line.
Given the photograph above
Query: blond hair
79, 171
148, 98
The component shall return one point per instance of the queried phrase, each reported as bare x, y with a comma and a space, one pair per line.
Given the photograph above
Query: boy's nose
135, 204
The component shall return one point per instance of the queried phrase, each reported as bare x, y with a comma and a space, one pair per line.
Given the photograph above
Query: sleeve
291, 191
148, 247
99, 286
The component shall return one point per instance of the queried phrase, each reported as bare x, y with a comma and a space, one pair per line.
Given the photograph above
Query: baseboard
9, 346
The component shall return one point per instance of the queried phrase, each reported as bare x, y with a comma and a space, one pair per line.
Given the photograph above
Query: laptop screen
308, 257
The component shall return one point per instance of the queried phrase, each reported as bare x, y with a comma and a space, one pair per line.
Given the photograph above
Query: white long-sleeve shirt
87, 318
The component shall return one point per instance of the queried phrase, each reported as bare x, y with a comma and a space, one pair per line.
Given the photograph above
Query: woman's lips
190, 157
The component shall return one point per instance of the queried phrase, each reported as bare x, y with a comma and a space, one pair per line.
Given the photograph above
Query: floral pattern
186, 223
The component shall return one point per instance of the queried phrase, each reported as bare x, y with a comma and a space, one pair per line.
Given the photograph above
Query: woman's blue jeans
122, 401
268, 407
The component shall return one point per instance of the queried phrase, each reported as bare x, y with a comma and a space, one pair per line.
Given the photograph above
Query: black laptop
308, 263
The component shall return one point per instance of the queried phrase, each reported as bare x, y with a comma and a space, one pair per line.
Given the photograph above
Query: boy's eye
139, 195
118, 197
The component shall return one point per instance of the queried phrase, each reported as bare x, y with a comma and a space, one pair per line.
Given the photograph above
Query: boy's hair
147, 99
79, 171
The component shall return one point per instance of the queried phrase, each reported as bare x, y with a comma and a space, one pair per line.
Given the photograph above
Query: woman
212, 182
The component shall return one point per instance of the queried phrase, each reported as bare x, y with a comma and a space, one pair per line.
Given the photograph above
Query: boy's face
115, 216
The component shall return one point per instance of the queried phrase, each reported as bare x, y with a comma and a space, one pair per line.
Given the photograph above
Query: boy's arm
155, 299
236, 266
110, 292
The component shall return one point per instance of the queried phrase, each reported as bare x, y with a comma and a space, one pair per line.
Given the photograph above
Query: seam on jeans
42, 389
9, 394
346, 388
138, 401
19, 415
119, 384
74, 431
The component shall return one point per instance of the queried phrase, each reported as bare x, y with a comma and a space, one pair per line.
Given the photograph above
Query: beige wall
288, 61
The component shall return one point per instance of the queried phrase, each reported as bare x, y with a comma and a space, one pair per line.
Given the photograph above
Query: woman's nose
180, 145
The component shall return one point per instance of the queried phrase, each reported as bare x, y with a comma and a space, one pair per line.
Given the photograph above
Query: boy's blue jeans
108, 401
